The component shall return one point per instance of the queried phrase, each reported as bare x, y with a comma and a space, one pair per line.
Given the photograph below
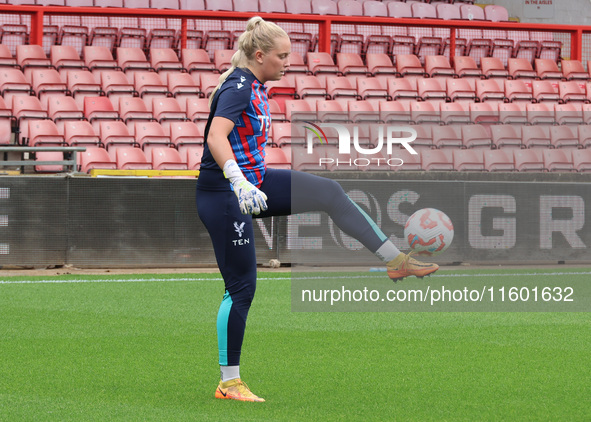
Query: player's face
276, 61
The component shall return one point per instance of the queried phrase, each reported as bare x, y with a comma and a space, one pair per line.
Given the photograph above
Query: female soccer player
234, 184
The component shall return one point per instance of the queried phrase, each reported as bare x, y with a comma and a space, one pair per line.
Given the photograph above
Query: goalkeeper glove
251, 200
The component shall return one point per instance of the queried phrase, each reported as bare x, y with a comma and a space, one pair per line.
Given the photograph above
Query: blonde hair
259, 35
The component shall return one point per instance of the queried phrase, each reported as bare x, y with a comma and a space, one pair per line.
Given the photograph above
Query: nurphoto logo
365, 154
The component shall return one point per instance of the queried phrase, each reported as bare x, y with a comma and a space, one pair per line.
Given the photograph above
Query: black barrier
493, 221
135, 222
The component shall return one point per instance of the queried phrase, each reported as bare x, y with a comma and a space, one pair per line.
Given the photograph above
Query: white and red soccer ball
429, 232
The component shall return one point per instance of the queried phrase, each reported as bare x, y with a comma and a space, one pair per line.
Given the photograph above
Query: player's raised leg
292, 192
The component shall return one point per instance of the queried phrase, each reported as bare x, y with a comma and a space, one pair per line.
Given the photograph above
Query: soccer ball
429, 232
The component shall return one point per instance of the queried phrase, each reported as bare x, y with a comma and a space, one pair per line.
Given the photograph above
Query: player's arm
217, 140
250, 199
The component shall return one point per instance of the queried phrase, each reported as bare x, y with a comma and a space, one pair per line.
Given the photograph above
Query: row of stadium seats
462, 9
327, 158
375, 64
462, 136
506, 160
211, 35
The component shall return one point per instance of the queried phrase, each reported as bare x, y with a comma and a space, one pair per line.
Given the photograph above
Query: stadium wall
135, 222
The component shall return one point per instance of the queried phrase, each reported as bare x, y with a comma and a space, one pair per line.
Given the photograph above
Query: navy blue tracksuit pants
232, 235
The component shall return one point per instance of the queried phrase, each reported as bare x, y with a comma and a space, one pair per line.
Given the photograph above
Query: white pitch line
142, 280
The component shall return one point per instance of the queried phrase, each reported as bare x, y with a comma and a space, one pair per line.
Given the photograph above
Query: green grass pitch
143, 348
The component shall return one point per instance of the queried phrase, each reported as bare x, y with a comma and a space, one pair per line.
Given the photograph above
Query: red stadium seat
13, 83
331, 111
341, 87
476, 136
98, 58
167, 159
182, 85
516, 90
485, 112
535, 136
197, 108
371, 88
47, 82
115, 85
133, 110
542, 113
80, 133
349, 63
299, 110
321, 63
394, 112
460, 90
544, 90
547, 69
65, 58
513, 113
380, 64
25, 108
309, 86
524, 46
495, 13
362, 111
194, 154
61, 109
97, 109
528, 160
409, 65
492, 67
424, 112
167, 110
115, 134
568, 114
150, 135
276, 158
165, 60
132, 59
438, 66
558, 160
149, 85
582, 160
506, 136
573, 69
468, 160
186, 134
82, 84
95, 158
437, 160
197, 60
49, 156
498, 160
403, 89
129, 158
447, 136
571, 91
432, 89
222, 59
521, 68
465, 66
453, 113
564, 136
44, 133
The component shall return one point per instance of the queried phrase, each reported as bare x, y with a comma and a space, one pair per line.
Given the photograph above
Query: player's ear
258, 56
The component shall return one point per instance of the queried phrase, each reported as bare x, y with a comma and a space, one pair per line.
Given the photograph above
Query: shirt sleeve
232, 100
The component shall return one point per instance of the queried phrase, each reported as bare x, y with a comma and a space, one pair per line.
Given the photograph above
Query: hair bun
253, 22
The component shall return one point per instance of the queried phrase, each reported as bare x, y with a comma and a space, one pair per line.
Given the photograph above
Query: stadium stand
110, 74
